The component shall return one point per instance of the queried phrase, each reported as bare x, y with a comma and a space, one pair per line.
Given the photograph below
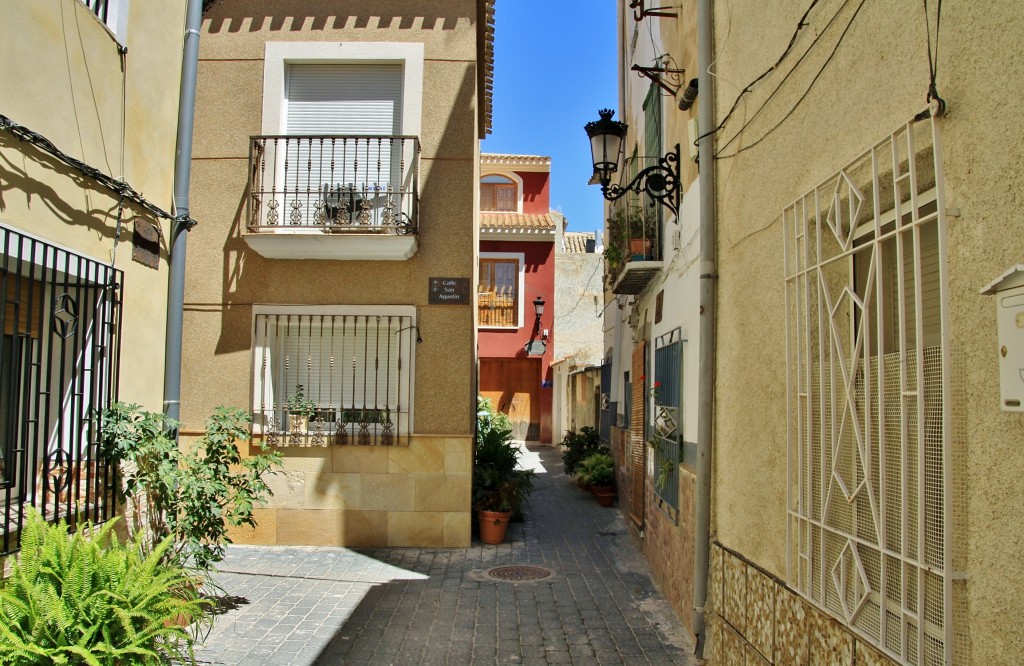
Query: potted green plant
300, 410
628, 227
499, 487
597, 471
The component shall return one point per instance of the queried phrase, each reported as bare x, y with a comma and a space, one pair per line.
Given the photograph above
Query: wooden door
513, 387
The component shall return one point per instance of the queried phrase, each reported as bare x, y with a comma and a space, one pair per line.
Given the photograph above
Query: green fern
77, 600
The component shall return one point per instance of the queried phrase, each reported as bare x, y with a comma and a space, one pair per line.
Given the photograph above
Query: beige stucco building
866, 409
88, 115
335, 172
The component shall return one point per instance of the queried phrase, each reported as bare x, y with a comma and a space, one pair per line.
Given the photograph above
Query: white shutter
344, 99
343, 362
341, 99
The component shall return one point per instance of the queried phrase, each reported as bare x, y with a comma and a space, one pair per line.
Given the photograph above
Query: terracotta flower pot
640, 248
604, 495
493, 525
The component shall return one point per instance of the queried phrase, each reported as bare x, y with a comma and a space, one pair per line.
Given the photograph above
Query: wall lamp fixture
537, 347
660, 181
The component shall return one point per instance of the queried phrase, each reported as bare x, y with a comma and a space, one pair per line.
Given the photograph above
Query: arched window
498, 193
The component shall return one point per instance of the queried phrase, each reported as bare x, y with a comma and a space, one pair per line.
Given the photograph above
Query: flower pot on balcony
640, 249
493, 525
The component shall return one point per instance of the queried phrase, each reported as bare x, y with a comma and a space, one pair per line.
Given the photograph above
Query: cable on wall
933, 59
118, 187
796, 105
796, 65
801, 24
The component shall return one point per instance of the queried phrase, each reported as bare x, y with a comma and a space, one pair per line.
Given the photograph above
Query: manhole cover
519, 573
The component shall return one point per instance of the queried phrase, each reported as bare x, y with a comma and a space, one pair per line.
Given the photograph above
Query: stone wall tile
754, 658
734, 591
760, 631
829, 642
423, 529
866, 655
715, 584
791, 629
732, 647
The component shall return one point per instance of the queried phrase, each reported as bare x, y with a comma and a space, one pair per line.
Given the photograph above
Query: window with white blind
334, 375
499, 295
870, 418
360, 101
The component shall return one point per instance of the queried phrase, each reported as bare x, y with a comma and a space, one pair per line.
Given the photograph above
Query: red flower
657, 384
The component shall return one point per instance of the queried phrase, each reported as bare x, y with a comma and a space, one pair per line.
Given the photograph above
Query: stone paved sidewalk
424, 606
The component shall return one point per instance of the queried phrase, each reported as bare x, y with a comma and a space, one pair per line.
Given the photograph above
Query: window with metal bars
112, 13
339, 375
869, 393
59, 350
667, 426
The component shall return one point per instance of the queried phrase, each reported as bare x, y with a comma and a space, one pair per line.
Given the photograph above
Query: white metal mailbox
1008, 289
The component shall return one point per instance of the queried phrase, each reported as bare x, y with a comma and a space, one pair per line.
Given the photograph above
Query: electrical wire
116, 186
796, 65
801, 24
806, 92
933, 60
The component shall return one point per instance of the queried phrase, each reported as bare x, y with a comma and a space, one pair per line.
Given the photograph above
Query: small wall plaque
536, 348
146, 243
448, 291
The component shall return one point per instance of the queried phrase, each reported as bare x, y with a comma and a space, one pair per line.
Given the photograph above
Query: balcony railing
634, 247
333, 184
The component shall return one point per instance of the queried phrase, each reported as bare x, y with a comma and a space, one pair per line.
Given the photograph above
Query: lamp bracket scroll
660, 182
655, 74
640, 12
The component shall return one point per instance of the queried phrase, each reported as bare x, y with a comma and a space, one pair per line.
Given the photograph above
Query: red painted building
517, 267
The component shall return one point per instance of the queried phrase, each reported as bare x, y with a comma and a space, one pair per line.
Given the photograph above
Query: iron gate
60, 318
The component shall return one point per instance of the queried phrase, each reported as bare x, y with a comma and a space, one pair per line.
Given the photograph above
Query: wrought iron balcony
633, 248
333, 197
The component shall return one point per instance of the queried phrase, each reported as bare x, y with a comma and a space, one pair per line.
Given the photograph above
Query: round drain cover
519, 573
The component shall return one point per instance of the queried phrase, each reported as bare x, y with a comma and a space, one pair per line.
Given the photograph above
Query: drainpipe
706, 350
182, 222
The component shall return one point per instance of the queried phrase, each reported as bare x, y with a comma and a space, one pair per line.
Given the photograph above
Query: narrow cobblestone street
425, 606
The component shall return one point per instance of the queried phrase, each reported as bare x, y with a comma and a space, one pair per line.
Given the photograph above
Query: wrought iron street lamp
659, 181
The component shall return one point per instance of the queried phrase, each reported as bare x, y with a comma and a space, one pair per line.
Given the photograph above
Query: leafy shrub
597, 469
497, 483
79, 600
488, 418
578, 445
194, 495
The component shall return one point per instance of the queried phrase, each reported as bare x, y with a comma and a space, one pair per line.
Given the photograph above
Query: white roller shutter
344, 99
353, 100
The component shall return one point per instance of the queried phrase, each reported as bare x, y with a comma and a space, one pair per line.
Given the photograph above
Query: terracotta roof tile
517, 222
575, 242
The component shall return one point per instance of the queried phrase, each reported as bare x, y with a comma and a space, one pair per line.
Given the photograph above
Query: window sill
499, 328
350, 247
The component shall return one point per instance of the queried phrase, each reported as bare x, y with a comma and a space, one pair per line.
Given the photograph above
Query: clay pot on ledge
605, 495
493, 525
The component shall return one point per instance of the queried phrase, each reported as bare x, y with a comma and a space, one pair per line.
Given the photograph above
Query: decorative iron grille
333, 378
667, 427
60, 319
98, 7
868, 397
333, 184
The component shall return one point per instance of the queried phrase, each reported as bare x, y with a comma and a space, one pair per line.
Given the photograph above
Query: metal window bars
60, 317
333, 184
325, 379
870, 436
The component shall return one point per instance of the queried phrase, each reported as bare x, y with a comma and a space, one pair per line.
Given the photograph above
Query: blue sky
554, 68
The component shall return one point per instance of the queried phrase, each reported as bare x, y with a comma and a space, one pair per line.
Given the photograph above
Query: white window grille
339, 375
869, 498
